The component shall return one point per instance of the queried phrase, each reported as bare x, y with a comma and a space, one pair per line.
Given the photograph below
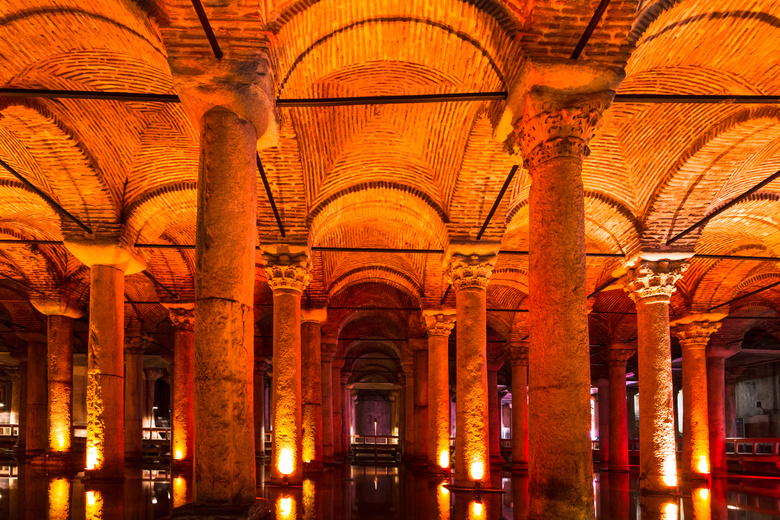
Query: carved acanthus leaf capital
648, 278
328, 352
617, 356
470, 271
694, 334
287, 271
182, 316
137, 344
439, 322
517, 352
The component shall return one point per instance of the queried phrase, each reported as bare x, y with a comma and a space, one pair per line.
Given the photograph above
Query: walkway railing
375, 439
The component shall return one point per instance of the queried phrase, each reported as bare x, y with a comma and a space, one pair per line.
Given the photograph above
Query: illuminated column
419, 349
494, 412
151, 375
261, 367
732, 378
182, 318
109, 262
618, 409
15, 374
60, 318
631, 411
311, 345
554, 114
338, 448
287, 271
694, 333
469, 270
346, 414
439, 324
650, 283
328, 350
716, 404
134, 396
407, 365
21, 403
603, 418
518, 355
36, 420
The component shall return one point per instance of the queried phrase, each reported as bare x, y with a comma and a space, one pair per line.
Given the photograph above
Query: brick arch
26, 213
378, 273
152, 212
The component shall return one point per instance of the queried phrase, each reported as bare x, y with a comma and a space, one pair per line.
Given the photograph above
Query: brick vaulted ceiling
391, 176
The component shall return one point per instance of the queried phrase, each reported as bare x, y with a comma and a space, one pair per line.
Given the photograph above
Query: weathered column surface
182, 318
261, 367
328, 349
518, 355
287, 271
553, 118
407, 366
37, 418
60, 316
439, 324
20, 402
650, 284
618, 409
717, 353
311, 345
604, 397
494, 412
347, 406
338, 448
135, 345
470, 267
694, 333
419, 349
231, 102
109, 262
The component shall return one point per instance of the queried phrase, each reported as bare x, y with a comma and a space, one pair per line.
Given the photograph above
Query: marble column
151, 375
717, 353
182, 317
407, 365
470, 267
494, 412
328, 349
631, 393
135, 345
15, 374
419, 349
37, 397
518, 355
439, 324
603, 401
231, 103
311, 346
617, 356
650, 283
60, 316
732, 378
338, 448
694, 333
287, 272
20, 401
109, 262
554, 117
346, 414
261, 367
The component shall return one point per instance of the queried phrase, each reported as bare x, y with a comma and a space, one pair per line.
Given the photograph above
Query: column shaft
21, 438
520, 414
696, 435
60, 337
605, 400
37, 417
346, 415
618, 423
259, 408
421, 406
311, 345
224, 297
494, 411
338, 449
716, 393
183, 428
438, 403
134, 401
326, 370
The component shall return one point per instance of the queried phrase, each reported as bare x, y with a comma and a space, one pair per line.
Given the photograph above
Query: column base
181, 466
313, 467
99, 475
520, 468
624, 469
497, 462
57, 461
294, 481
254, 511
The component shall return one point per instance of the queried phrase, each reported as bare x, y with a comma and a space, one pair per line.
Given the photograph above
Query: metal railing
375, 439
758, 447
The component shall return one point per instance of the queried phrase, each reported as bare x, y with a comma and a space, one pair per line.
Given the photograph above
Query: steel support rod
270, 195
696, 98
498, 200
594, 21
204, 22
725, 207
50, 201
88, 94
391, 100
751, 293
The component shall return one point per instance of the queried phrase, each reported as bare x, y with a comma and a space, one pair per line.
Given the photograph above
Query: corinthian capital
439, 322
470, 270
694, 331
648, 277
182, 315
286, 267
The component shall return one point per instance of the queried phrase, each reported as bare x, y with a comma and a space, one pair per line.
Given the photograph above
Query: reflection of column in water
59, 499
285, 508
700, 499
442, 502
94, 505
719, 500
519, 498
309, 501
180, 491
658, 507
137, 502
619, 495
35, 489
477, 510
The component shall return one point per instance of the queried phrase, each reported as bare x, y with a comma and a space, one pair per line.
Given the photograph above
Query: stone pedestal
650, 284
182, 318
618, 416
311, 345
518, 356
717, 353
494, 412
328, 349
287, 271
135, 346
439, 324
694, 333
470, 267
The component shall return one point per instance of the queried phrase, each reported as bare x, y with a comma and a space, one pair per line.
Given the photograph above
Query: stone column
518, 355
494, 412
151, 375
732, 377
37, 396
554, 115
694, 333
338, 447
631, 392
311, 345
346, 414
328, 349
419, 349
603, 418
716, 402
135, 345
469, 274
231, 102
261, 366
15, 374
287, 272
618, 423
182, 318
650, 283
109, 262
60, 318
407, 365
439, 324
21, 404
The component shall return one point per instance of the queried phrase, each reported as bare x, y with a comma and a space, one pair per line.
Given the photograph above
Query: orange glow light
443, 502
309, 510
286, 464
704, 493
178, 455
670, 511
704, 466
477, 470
670, 480
94, 509
59, 499
179, 492
444, 459
476, 511
92, 457
285, 508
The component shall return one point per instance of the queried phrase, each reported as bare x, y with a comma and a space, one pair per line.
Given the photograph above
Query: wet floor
372, 493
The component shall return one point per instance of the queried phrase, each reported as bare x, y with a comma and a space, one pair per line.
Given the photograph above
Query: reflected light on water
670, 512
443, 502
285, 508
94, 505
179, 492
309, 500
476, 510
59, 499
